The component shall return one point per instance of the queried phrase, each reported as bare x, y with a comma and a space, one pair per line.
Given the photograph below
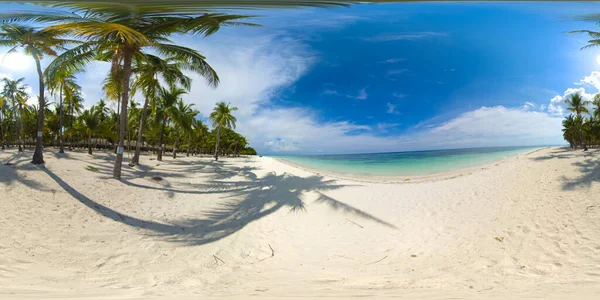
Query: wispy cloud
360, 95
385, 126
403, 36
397, 71
392, 60
399, 95
527, 105
391, 109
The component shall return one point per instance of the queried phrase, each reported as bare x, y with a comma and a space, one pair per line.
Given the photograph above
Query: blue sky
394, 77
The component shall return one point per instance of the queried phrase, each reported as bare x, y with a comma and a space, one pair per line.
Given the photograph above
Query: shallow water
405, 163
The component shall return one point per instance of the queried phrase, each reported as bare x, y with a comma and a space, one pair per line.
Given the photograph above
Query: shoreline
400, 179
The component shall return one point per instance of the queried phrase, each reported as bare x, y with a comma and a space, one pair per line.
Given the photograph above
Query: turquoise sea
405, 163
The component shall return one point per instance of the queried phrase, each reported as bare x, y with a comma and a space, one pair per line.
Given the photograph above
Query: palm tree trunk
189, 146
138, 144
160, 138
117, 124
38, 156
71, 126
127, 55
90, 145
21, 134
217, 144
1, 131
175, 146
15, 112
582, 140
60, 122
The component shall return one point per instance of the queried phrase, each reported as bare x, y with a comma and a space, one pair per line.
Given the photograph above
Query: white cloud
360, 95
280, 145
486, 126
406, 36
391, 109
397, 71
499, 126
527, 105
392, 60
593, 79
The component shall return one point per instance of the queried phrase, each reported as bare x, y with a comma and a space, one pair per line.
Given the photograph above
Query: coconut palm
596, 103
183, 121
166, 110
569, 130
577, 106
222, 118
89, 124
37, 43
121, 33
74, 105
594, 38
14, 91
66, 87
149, 72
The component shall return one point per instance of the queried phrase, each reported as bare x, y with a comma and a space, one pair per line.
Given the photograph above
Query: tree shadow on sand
247, 201
560, 153
590, 173
11, 171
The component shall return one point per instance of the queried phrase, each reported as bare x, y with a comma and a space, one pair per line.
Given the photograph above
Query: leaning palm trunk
127, 55
38, 156
217, 144
138, 144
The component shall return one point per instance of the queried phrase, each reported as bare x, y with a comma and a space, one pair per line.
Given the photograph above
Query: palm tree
222, 118
90, 124
577, 105
74, 104
593, 42
596, 102
569, 130
64, 84
36, 43
14, 90
147, 79
166, 110
121, 33
183, 121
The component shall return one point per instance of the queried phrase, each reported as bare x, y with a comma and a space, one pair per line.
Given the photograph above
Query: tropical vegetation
143, 60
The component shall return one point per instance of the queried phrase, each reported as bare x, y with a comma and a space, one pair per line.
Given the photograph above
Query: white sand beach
527, 226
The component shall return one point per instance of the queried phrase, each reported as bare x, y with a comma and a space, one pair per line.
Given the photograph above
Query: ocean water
405, 163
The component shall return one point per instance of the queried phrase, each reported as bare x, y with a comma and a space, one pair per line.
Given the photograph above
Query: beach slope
526, 226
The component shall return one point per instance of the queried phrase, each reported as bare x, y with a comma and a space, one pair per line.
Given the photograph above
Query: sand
524, 227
